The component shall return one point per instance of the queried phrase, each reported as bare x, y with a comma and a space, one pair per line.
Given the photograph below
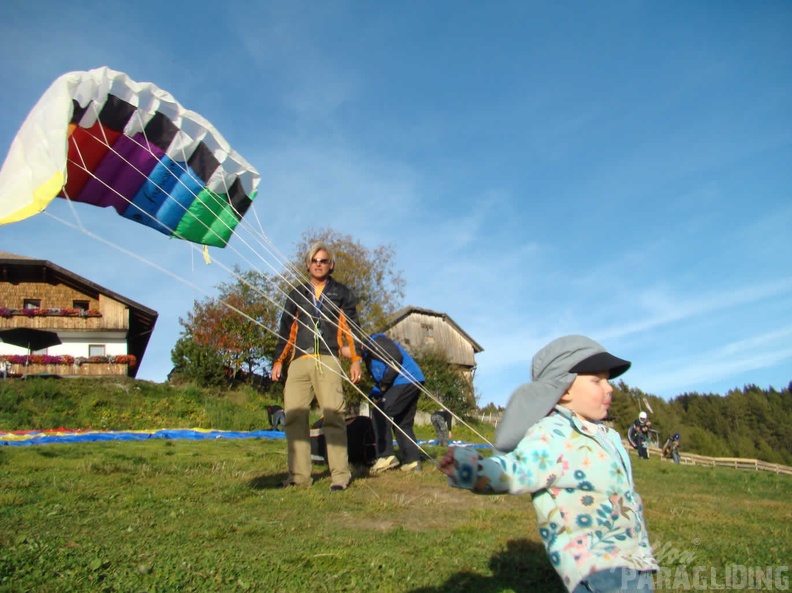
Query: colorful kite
101, 138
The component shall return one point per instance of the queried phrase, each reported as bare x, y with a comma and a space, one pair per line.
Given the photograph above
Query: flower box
69, 370
68, 361
9, 312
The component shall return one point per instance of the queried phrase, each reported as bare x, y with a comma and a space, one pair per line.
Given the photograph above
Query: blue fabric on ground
33, 437
45, 438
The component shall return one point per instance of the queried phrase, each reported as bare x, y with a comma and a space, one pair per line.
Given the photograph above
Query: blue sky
620, 169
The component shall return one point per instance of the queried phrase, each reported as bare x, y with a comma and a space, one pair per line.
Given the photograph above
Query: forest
751, 422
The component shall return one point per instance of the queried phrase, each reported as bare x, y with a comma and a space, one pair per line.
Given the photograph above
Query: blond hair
317, 247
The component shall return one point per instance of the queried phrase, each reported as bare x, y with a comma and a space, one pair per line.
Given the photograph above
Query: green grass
123, 404
167, 516
205, 516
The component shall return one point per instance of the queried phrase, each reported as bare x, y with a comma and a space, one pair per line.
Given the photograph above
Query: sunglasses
322, 261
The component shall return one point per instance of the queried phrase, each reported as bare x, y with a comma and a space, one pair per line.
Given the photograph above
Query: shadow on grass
266, 482
523, 568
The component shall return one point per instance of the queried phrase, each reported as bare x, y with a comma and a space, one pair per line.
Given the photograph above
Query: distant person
441, 420
553, 444
319, 317
638, 435
277, 417
397, 380
647, 434
671, 448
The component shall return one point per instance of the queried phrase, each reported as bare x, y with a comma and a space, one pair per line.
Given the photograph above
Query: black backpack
361, 442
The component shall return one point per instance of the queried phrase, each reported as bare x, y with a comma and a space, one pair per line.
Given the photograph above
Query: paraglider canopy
101, 138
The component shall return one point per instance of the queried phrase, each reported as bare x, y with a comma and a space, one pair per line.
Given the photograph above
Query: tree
238, 326
624, 407
198, 363
491, 408
447, 382
254, 335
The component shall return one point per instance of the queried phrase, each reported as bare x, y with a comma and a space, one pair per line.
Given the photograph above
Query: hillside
749, 423
125, 404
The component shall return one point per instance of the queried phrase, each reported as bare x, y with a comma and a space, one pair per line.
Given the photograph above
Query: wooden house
419, 329
101, 332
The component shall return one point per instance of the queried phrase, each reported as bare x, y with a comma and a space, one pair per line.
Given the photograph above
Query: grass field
161, 516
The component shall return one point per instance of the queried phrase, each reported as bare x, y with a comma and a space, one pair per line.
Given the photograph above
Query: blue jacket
390, 364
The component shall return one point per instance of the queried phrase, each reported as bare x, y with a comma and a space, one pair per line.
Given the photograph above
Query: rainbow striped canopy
101, 138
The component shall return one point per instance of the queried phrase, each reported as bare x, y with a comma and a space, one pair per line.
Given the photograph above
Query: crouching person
397, 387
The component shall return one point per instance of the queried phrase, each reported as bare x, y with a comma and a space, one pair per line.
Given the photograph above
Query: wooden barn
418, 329
100, 332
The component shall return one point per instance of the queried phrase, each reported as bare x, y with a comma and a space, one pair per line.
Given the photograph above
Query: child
554, 446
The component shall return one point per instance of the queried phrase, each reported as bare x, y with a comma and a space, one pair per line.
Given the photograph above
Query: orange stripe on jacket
344, 331
289, 343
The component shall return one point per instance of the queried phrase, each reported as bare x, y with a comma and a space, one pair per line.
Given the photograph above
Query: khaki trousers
309, 377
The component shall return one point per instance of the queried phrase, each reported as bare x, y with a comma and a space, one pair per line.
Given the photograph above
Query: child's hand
446, 464
460, 464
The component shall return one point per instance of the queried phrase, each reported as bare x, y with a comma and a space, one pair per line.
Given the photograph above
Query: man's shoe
338, 487
415, 466
384, 464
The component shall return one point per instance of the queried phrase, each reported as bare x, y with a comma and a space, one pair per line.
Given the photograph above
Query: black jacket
334, 315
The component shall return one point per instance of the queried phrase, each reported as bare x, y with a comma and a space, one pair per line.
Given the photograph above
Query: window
32, 304
81, 305
96, 350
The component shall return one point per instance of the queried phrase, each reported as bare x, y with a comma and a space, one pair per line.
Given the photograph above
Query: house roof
408, 310
141, 318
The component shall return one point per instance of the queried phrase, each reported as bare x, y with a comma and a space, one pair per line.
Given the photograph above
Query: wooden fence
490, 418
734, 462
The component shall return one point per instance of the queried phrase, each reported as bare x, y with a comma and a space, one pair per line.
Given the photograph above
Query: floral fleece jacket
590, 516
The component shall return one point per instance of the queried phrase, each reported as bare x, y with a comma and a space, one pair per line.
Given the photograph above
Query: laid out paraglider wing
101, 138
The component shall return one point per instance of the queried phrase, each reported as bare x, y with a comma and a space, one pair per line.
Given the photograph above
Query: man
319, 318
276, 417
671, 448
396, 385
638, 435
441, 420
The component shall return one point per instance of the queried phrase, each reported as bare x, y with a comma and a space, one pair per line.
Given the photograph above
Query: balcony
60, 319
68, 366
